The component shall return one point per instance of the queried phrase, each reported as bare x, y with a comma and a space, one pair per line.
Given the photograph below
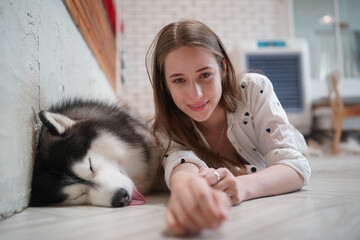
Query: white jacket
259, 130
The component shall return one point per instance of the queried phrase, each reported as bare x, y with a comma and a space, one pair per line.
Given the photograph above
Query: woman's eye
91, 169
179, 80
205, 75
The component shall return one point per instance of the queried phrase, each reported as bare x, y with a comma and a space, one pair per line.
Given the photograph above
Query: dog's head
80, 162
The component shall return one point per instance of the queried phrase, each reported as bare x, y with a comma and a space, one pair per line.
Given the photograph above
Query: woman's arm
274, 180
193, 204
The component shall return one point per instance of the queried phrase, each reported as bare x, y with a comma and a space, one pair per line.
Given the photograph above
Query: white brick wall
231, 20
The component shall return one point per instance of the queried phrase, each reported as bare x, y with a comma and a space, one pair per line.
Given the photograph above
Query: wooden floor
329, 208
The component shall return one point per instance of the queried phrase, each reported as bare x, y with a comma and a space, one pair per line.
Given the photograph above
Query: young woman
228, 139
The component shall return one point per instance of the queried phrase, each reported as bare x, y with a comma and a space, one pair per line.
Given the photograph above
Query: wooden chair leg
332, 124
337, 136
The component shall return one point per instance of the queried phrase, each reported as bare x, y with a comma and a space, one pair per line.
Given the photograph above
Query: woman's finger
185, 208
228, 180
233, 195
209, 211
190, 214
223, 203
203, 171
173, 225
228, 184
214, 177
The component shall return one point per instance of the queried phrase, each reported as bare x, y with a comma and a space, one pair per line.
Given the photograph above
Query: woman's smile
198, 107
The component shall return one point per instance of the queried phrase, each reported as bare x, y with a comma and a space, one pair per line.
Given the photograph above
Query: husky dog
93, 152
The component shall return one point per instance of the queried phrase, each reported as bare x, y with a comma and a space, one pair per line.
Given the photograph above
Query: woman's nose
196, 91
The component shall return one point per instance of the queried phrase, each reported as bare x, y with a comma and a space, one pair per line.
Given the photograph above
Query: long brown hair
169, 119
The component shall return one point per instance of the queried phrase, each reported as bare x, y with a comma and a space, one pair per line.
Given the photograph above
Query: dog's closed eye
90, 166
78, 196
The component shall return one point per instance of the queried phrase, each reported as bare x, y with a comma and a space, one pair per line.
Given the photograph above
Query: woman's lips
198, 107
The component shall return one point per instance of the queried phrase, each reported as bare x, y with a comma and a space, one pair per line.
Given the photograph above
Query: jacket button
253, 169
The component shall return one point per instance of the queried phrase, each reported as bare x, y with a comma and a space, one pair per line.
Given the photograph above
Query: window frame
91, 19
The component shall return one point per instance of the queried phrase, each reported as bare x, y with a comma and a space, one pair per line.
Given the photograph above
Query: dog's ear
55, 122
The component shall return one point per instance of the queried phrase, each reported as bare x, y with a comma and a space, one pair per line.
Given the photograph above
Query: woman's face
194, 81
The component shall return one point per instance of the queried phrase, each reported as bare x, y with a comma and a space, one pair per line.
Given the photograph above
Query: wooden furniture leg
338, 132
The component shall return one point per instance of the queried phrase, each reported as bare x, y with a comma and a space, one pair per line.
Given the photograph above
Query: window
332, 29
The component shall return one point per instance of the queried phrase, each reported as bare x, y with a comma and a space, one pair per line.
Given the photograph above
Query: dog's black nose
121, 198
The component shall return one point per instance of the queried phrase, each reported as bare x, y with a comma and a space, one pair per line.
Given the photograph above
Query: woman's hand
194, 205
227, 183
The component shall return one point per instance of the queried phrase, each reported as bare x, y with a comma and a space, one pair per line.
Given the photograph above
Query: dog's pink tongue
137, 199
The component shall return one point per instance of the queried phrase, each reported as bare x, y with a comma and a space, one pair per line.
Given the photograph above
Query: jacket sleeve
176, 155
279, 141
